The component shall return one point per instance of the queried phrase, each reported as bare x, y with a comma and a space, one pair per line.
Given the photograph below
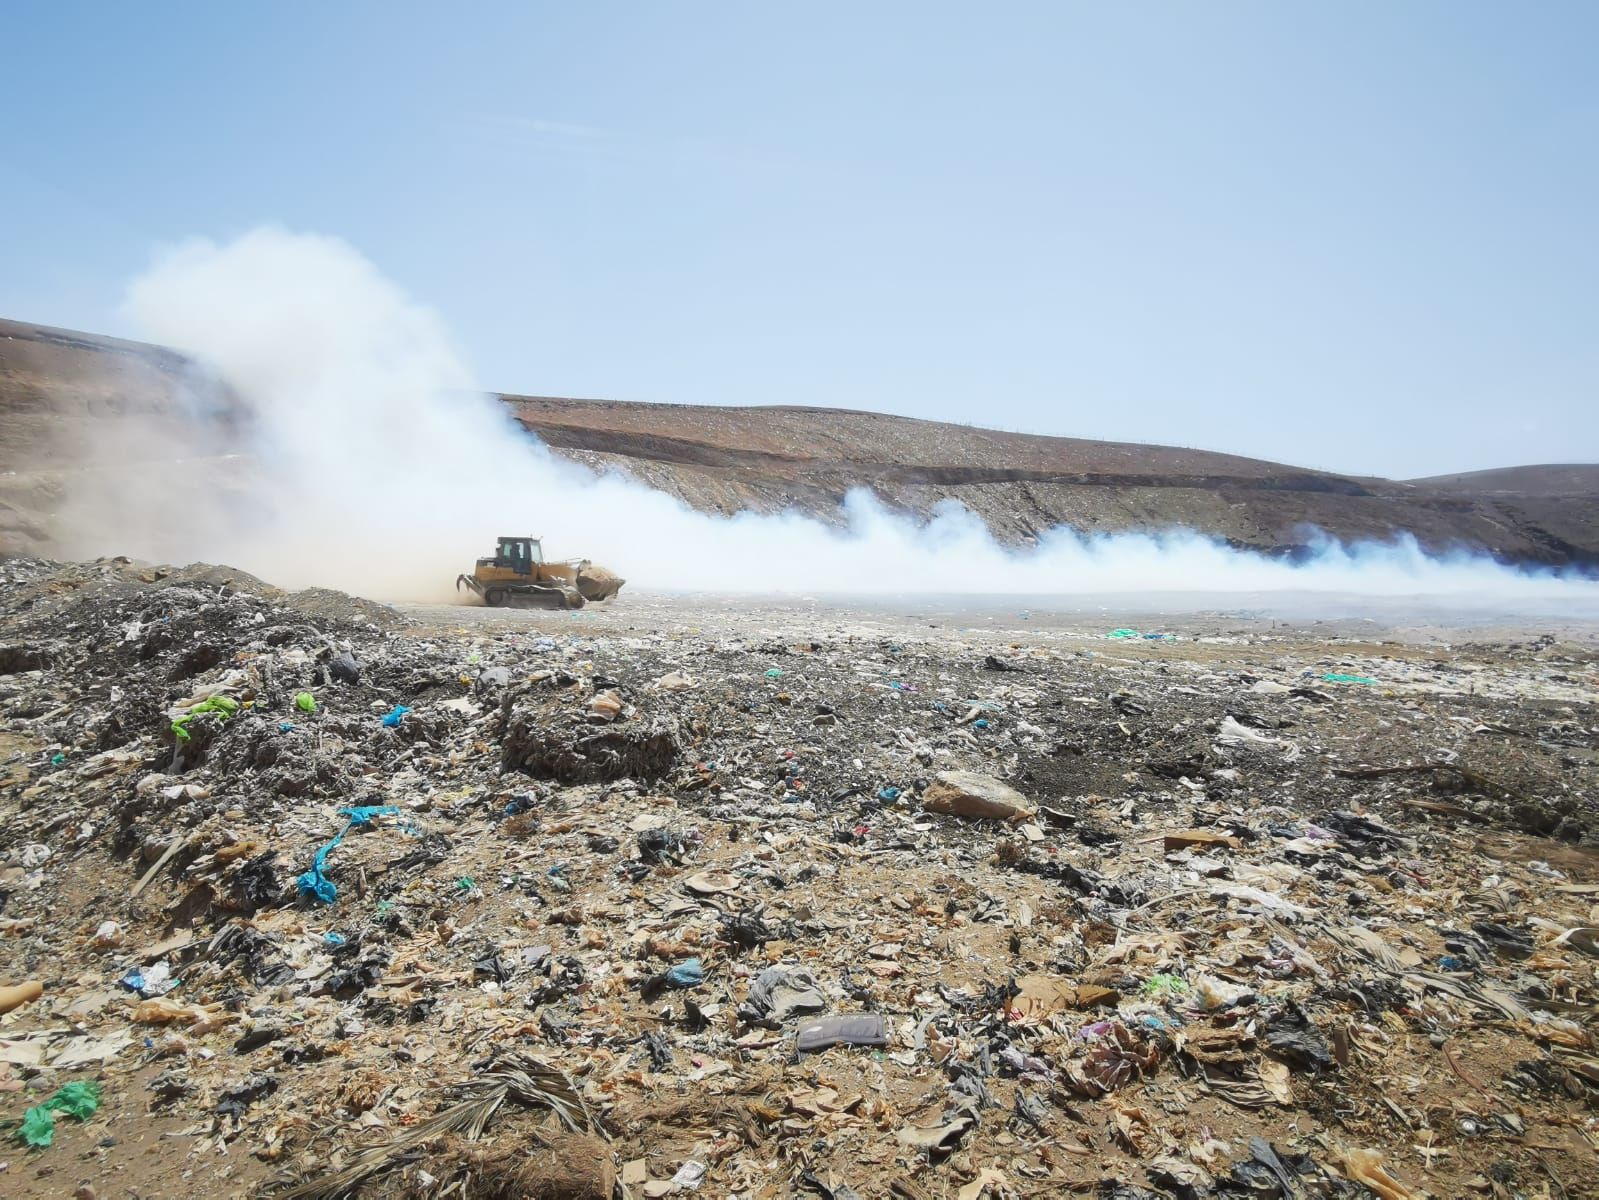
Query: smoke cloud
367, 460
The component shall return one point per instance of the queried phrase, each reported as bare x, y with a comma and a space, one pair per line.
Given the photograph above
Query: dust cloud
366, 459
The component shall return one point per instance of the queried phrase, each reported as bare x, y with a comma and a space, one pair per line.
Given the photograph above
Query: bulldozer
517, 570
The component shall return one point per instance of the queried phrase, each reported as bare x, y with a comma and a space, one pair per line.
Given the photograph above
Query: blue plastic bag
686, 975
314, 882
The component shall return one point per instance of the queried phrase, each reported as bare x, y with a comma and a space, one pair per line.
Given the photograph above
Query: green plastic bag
217, 704
1165, 985
78, 1100
38, 1126
305, 702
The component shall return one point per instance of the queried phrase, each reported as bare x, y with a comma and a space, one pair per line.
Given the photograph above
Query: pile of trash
322, 901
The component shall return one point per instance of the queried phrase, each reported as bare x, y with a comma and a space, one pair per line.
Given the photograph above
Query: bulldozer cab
520, 554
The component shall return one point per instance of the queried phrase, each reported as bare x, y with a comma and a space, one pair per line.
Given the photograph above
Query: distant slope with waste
56, 384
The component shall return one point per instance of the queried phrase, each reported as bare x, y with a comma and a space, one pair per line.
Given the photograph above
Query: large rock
968, 794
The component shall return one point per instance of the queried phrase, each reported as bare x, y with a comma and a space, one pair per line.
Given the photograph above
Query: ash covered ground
1265, 905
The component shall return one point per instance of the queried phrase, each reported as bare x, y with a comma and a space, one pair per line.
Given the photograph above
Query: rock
968, 794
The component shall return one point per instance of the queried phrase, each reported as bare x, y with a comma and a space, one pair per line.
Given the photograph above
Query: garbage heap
301, 898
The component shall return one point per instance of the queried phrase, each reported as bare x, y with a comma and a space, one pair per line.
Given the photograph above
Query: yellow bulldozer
518, 571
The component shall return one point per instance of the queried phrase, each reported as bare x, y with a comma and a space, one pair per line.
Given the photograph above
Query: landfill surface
303, 895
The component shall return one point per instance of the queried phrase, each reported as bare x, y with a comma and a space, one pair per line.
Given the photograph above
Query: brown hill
726, 459
55, 384
1556, 479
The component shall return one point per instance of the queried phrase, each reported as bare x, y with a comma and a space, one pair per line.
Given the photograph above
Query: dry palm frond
567, 1166
519, 1077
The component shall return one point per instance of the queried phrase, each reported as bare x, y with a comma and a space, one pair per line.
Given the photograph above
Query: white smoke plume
373, 465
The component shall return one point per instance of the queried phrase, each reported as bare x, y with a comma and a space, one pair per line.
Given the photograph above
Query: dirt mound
561, 738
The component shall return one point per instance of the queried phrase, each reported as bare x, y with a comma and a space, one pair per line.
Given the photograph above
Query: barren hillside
725, 459
56, 383
1555, 479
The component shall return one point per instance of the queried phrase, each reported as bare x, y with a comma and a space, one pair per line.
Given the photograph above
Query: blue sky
1358, 236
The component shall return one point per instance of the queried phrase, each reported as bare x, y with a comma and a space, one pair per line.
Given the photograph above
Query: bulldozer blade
596, 583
